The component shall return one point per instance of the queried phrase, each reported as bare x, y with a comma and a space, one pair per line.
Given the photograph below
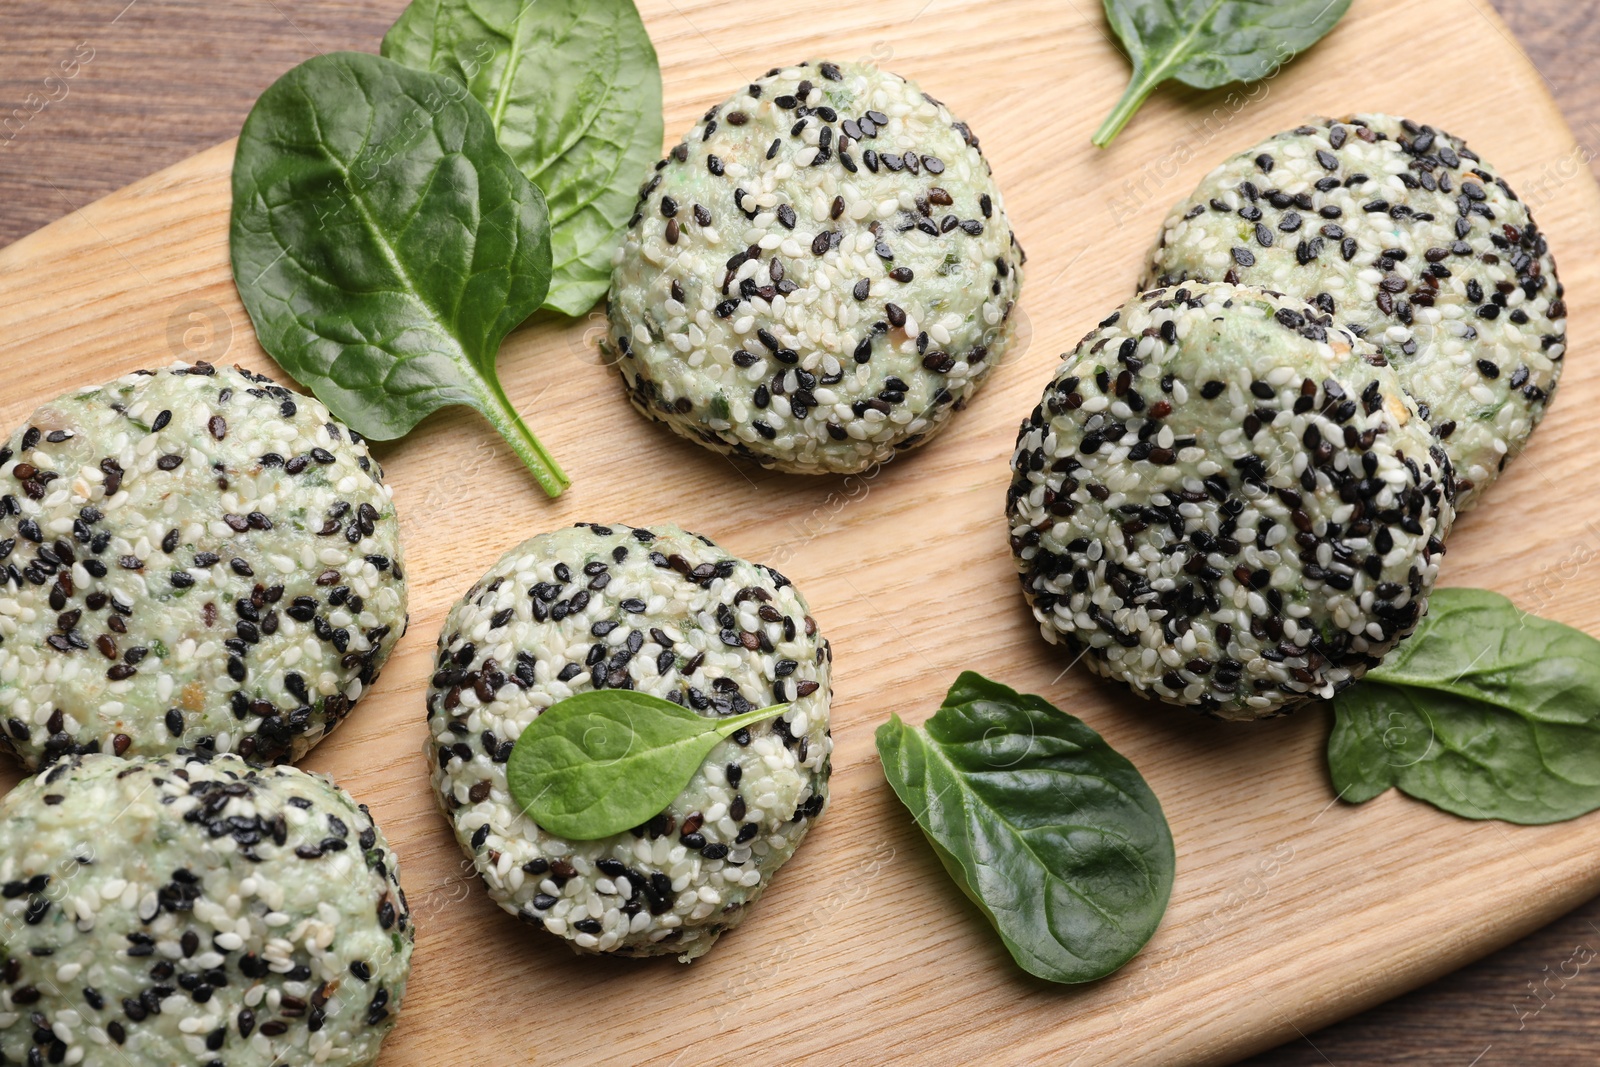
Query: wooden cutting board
1290, 910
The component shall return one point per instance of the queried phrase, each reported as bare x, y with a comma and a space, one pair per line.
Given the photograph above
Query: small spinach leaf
384, 245
1207, 43
1485, 712
605, 761
574, 92
1054, 836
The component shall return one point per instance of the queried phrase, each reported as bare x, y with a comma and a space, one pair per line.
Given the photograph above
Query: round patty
1227, 502
820, 273
662, 612
193, 557
1407, 238
188, 910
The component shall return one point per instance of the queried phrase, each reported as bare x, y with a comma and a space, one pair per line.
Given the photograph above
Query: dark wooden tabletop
154, 81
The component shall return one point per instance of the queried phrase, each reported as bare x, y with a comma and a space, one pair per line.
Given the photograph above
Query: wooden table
156, 80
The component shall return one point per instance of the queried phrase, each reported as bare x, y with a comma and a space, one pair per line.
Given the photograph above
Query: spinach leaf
1485, 712
605, 761
1207, 43
574, 92
384, 245
1054, 836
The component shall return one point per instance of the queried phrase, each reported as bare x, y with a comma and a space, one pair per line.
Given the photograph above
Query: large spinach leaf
574, 92
384, 245
1052, 834
1207, 43
606, 760
1485, 711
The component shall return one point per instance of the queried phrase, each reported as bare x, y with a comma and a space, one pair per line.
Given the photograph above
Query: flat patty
663, 612
186, 910
820, 273
193, 557
1406, 237
1227, 502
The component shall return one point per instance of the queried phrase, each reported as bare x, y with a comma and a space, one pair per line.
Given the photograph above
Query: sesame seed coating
1407, 238
195, 910
819, 274
663, 612
193, 557
1227, 502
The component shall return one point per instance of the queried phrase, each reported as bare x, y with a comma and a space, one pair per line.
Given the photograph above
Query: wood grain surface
1287, 914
